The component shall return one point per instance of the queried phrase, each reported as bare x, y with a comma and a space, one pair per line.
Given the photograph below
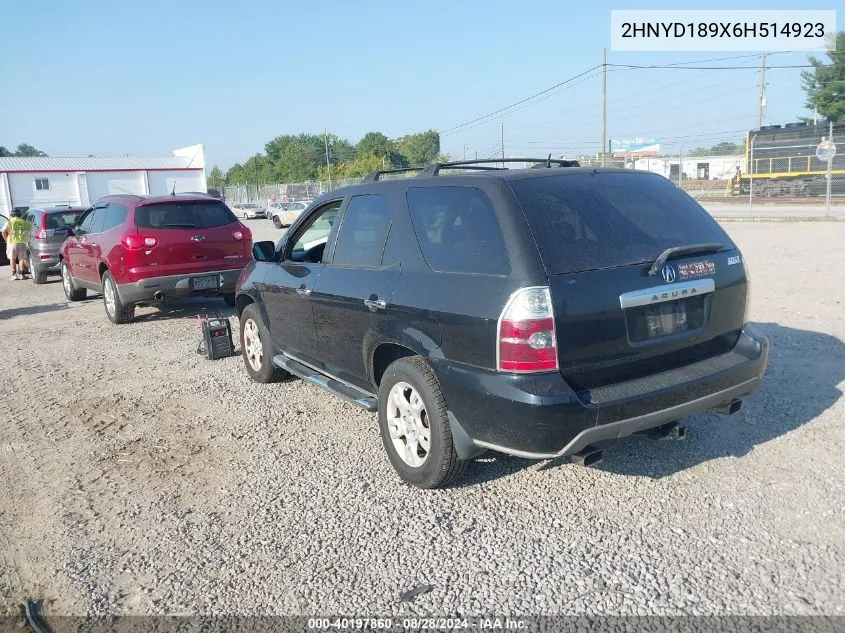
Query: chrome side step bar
340, 389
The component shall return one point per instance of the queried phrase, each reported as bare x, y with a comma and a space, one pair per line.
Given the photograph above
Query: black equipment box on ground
216, 337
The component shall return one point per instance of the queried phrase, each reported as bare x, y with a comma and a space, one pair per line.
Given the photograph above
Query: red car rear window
183, 215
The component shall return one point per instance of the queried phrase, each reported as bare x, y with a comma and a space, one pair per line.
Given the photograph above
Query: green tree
720, 149
699, 151
825, 84
25, 149
419, 149
340, 150
361, 166
236, 175
375, 143
215, 178
4, 152
296, 158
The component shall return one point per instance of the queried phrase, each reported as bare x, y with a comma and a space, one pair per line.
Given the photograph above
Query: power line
542, 92
671, 67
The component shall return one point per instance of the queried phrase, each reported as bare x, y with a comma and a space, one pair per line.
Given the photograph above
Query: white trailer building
49, 180
694, 167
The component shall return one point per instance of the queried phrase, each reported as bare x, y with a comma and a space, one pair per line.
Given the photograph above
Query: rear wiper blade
691, 249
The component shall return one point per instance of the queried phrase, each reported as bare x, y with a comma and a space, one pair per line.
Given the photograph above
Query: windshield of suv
183, 215
587, 221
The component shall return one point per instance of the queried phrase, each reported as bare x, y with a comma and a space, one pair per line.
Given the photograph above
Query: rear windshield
183, 215
61, 220
586, 221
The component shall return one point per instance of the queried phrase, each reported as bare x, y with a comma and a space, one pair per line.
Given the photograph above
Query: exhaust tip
159, 296
734, 406
590, 456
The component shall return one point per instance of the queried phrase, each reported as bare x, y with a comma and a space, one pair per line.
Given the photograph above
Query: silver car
249, 211
285, 213
50, 227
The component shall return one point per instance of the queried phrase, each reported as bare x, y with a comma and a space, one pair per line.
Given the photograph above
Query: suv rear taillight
41, 234
139, 242
242, 233
526, 335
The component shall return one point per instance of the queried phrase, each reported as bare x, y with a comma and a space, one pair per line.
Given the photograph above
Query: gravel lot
137, 477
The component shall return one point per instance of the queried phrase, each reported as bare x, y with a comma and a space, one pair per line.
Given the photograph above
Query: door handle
376, 304
302, 291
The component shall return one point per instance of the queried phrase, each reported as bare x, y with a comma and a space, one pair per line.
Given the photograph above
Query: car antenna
173, 193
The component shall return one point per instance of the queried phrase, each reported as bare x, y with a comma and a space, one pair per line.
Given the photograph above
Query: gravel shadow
801, 382
29, 310
189, 308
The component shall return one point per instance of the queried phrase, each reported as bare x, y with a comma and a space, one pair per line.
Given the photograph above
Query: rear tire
255, 347
71, 291
115, 310
39, 276
277, 222
414, 426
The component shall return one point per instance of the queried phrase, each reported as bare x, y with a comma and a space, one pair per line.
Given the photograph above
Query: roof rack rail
373, 176
434, 168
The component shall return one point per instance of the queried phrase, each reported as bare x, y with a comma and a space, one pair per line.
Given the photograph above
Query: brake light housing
139, 242
526, 340
41, 234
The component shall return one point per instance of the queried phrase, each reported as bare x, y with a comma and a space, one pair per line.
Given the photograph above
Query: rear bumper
45, 258
541, 417
177, 286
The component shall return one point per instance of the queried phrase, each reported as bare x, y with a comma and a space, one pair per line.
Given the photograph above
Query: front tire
71, 291
115, 310
255, 347
414, 426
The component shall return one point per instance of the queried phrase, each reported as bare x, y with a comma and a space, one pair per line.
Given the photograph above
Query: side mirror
264, 251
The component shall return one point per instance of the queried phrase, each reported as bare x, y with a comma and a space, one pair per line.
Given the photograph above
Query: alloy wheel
408, 423
253, 349
108, 296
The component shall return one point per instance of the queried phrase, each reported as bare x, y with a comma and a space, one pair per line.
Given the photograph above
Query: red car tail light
526, 334
139, 242
41, 234
241, 234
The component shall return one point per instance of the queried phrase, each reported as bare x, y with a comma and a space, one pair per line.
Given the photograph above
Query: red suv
139, 250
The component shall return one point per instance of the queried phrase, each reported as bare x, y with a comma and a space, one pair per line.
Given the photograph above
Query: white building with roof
77, 180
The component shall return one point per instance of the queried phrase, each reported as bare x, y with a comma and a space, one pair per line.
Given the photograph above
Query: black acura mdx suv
538, 312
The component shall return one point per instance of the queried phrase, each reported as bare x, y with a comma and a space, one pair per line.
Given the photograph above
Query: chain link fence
774, 167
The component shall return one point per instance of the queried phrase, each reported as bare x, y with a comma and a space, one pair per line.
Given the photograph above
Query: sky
146, 77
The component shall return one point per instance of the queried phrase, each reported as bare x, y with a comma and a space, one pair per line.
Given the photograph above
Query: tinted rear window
458, 230
183, 215
589, 221
62, 220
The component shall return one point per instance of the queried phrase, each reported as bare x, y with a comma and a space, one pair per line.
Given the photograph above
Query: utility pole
603, 102
762, 100
829, 169
328, 165
503, 143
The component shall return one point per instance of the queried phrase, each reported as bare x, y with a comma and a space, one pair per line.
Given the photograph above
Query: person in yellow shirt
16, 233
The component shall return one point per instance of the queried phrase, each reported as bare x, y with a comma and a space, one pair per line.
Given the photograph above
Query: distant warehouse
49, 180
